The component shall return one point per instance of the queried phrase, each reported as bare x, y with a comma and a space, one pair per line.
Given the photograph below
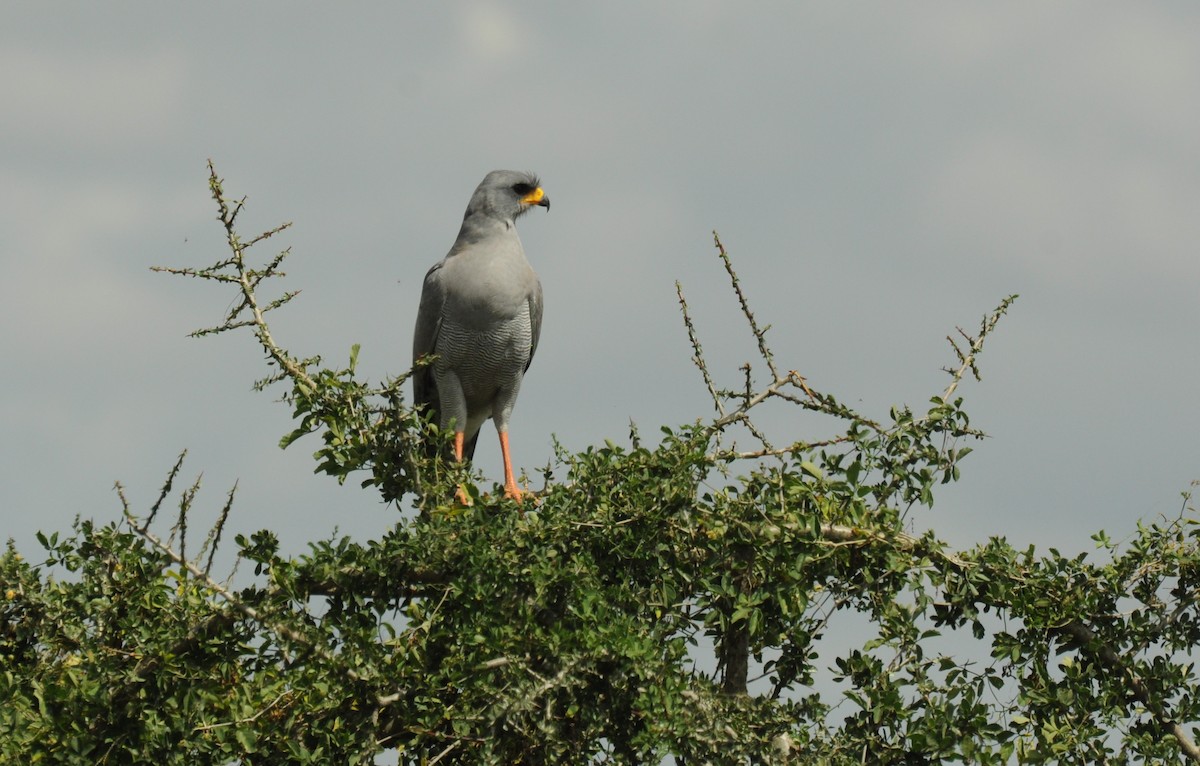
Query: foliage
685, 598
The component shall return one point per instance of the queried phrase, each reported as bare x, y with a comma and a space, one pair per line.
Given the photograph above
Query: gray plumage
481, 314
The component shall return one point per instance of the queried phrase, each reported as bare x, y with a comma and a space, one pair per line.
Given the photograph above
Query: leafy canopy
686, 598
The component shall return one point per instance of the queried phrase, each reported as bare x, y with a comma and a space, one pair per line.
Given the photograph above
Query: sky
880, 174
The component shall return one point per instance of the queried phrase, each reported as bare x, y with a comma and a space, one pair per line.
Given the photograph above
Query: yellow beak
534, 197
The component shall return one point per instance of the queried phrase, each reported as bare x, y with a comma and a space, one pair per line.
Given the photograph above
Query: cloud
1073, 159
67, 252
490, 34
55, 97
1084, 213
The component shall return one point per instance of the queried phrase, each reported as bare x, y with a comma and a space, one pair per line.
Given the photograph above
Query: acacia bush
672, 598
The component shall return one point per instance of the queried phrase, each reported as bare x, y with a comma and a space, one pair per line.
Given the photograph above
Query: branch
245, 609
792, 451
760, 334
213, 541
1087, 639
321, 399
250, 719
974, 346
162, 495
235, 270
229, 596
780, 385
697, 352
774, 389
1083, 637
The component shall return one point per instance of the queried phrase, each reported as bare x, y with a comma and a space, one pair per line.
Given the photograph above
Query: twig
216, 587
446, 751
974, 346
245, 609
728, 455
1088, 640
250, 719
759, 333
214, 536
166, 490
754, 401
697, 352
185, 505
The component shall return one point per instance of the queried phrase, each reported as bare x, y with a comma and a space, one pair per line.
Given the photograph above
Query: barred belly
488, 364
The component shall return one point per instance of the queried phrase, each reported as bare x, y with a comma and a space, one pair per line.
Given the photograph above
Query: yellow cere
534, 197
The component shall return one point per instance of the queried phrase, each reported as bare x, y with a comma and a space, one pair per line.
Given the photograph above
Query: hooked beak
536, 197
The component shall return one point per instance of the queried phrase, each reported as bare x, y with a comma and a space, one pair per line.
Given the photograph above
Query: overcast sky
880, 172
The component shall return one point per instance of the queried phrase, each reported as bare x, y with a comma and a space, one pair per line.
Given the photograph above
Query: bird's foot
519, 496
513, 492
462, 497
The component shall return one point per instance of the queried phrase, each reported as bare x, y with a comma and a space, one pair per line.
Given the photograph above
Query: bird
480, 317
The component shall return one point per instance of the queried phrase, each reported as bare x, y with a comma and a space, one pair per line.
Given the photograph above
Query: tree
670, 599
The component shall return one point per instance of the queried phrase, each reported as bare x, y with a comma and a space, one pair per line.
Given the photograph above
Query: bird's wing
535, 318
429, 324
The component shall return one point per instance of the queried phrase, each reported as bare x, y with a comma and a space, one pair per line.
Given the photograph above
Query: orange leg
460, 495
510, 482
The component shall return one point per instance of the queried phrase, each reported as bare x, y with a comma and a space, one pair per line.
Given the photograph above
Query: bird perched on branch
480, 316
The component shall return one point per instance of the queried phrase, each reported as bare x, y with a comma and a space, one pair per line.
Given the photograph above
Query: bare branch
185, 505
214, 536
697, 352
975, 345
267, 234
753, 401
166, 490
760, 334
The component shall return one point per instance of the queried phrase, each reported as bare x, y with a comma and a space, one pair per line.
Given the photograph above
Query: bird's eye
522, 189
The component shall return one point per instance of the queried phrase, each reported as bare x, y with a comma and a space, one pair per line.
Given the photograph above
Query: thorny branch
362, 426
760, 334
235, 270
698, 353
974, 346
225, 594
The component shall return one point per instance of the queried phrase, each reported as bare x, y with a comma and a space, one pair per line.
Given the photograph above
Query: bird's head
506, 194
